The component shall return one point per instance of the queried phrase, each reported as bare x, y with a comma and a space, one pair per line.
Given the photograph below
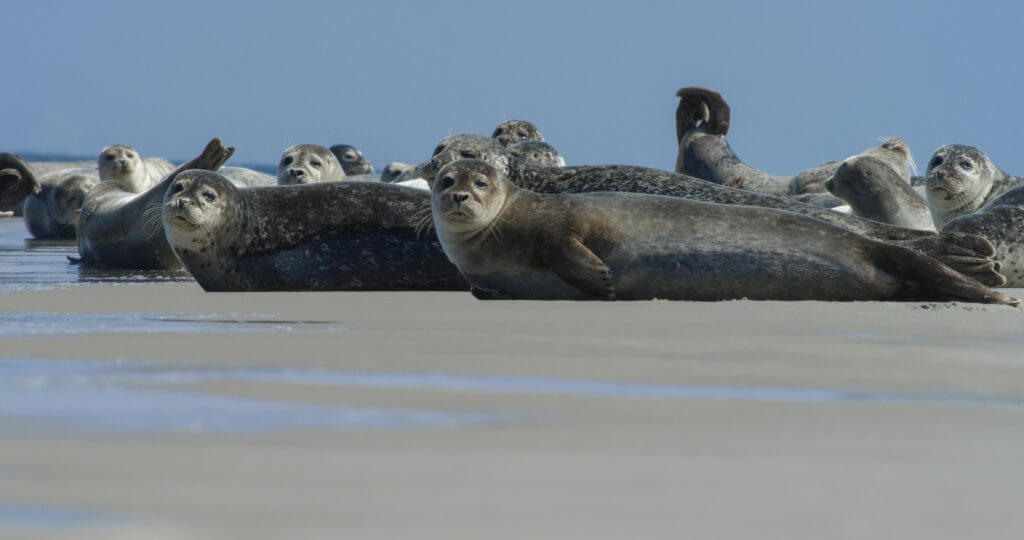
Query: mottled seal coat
1002, 222
328, 236
876, 191
961, 180
702, 122
308, 164
512, 243
537, 153
966, 253
121, 229
511, 132
351, 159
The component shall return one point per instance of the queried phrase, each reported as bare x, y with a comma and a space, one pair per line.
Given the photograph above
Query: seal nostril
297, 173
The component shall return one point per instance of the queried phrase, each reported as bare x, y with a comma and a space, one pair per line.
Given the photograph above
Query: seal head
960, 179
352, 160
511, 132
122, 165
537, 153
308, 164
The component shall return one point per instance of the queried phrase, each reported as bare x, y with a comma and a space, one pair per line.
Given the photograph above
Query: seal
308, 164
512, 243
17, 181
1001, 221
351, 159
702, 122
961, 180
965, 253
537, 153
875, 191
246, 177
327, 236
52, 212
122, 165
511, 132
121, 229
392, 171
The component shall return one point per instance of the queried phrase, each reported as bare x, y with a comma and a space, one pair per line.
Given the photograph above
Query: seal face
325, 236
537, 153
122, 165
511, 132
352, 160
961, 179
511, 243
308, 164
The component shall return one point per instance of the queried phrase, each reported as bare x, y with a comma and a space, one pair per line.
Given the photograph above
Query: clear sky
807, 82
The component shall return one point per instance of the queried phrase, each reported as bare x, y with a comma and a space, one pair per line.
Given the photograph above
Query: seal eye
447, 182
315, 164
467, 155
480, 184
966, 165
936, 161
287, 160
129, 155
438, 150
209, 196
521, 134
349, 156
110, 157
176, 188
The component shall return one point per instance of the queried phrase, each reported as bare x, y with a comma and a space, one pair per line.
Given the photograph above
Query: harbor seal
511, 132
308, 164
1001, 221
961, 180
512, 243
875, 191
52, 213
246, 177
351, 159
966, 253
121, 229
17, 181
122, 165
537, 153
327, 236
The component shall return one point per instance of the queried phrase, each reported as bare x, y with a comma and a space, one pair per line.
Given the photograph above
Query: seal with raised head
875, 191
308, 164
961, 180
512, 243
122, 165
511, 132
351, 159
327, 236
966, 253
121, 229
537, 153
1001, 221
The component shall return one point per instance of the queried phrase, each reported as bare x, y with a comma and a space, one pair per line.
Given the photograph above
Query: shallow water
26, 516
55, 324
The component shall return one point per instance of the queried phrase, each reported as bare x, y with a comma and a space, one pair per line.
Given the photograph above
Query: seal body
512, 243
52, 213
327, 236
308, 164
511, 132
1002, 222
876, 191
351, 159
961, 180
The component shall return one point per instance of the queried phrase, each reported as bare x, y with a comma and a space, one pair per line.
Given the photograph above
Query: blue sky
808, 82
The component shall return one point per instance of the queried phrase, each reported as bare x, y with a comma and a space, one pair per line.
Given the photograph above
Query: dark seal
352, 160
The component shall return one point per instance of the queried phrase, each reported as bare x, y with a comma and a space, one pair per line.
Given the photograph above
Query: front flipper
579, 267
966, 253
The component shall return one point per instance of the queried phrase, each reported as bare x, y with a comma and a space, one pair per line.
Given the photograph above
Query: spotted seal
121, 229
511, 132
537, 153
966, 253
326, 236
308, 164
962, 179
351, 159
876, 191
512, 243
1001, 221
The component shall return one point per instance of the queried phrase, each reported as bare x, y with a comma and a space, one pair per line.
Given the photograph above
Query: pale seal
327, 236
961, 180
1002, 222
875, 191
121, 229
537, 153
511, 132
122, 165
512, 243
966, 253
308, 164
351, 159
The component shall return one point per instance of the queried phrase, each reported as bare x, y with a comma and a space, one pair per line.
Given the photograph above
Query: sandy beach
159, 411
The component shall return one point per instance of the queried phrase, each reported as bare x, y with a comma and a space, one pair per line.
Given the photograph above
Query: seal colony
505, 216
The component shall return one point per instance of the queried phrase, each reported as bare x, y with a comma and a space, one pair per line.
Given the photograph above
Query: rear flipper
969, 254
16, 180
929, 279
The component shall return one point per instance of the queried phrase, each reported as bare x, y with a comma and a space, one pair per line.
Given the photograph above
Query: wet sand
159, 411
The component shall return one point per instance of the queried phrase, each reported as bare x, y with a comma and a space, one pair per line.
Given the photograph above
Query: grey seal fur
326, 236
351, 159
962, 179
512, 243
875, 191
966, 253
308, 164
511, 132
1001, 221
121, 229
537, 153
52, 213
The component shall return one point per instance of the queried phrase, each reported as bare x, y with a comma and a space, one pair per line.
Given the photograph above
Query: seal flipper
966, 253
701, 106
936, 279
16, 180
579, 267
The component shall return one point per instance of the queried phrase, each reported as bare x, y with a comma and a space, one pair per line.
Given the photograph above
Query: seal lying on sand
122, 229
961, 180
875, 191
511, 132
329, 236
965, 253
351, 159
1002, 222
308, 164
702, 121
512, 243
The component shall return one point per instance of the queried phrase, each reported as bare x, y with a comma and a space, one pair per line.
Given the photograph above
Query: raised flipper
212, 158
16, 180
931, 279
579, 267
701, 106
966, 253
